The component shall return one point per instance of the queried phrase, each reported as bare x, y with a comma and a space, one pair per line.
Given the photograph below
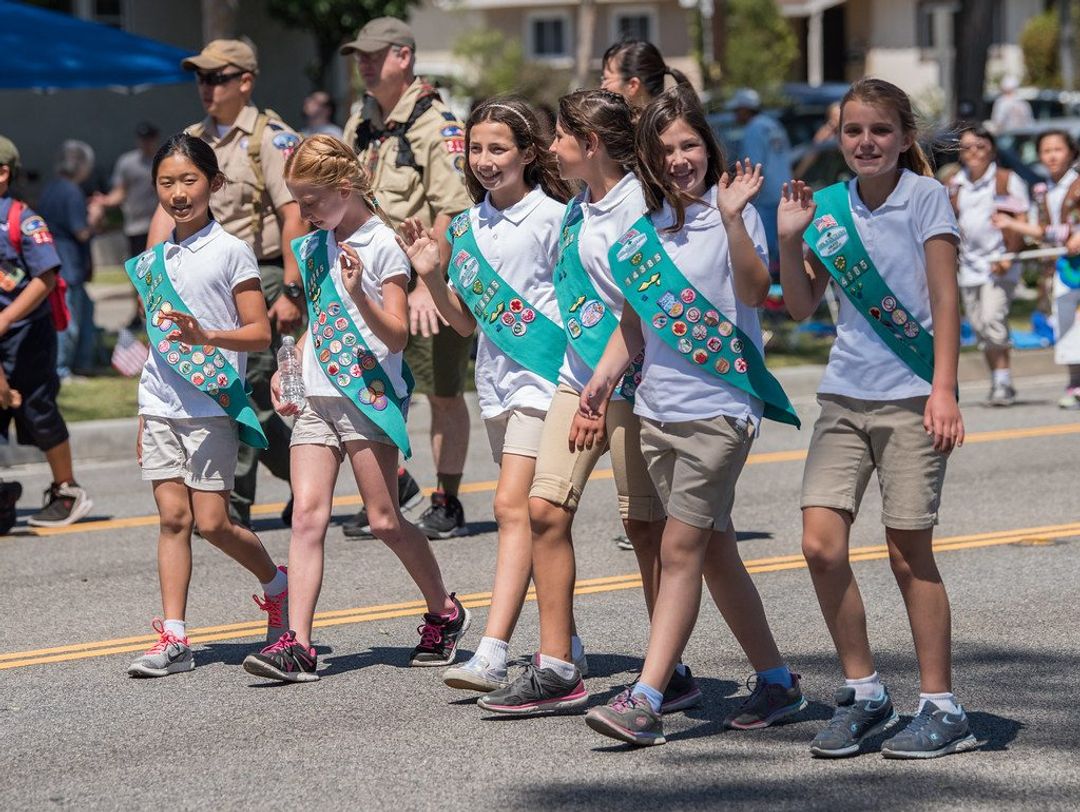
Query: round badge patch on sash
693, 314
699, 332
685, 346
349, 339
688, 295
335, 346
679, 328
723, 365
528, 315
173, 358
725, 328
659, 321
519, 329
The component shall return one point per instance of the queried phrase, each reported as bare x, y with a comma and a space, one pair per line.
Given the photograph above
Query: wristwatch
293, 291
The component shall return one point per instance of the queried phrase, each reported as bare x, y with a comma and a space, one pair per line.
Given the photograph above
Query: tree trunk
973, 36
1067, 43
218, 19
586, 25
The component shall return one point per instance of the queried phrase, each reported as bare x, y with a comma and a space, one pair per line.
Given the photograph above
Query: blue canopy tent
48, 50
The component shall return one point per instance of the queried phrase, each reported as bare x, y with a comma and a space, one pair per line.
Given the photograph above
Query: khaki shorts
439, 363
199, 450
517, 431
333, 422
853, 437
561, 474
695, 465
987, 309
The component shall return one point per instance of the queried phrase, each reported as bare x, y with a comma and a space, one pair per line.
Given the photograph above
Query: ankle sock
447, 617
946, 702
177, 628
867, 687
494, 651
560, 667
681, 669
278, 584
448, 484
1002, 377
654, 697
577, 650
781, 675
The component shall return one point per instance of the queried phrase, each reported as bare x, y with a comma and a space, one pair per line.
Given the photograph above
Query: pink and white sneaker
169, 655
277, 612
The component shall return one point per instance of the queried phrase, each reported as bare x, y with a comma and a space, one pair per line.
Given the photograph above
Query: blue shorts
28, 355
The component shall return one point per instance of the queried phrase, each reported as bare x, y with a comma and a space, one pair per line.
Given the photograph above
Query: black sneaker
10, 493
932, 733
286, 660
409, 496
444, 518
767, 703
439, 638
853, 721
682, 692
537, 690
65, 504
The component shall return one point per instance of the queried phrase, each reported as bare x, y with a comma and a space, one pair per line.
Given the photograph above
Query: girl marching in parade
357, 391
502, 256
204, 311
636, 71
693, 270
888, 402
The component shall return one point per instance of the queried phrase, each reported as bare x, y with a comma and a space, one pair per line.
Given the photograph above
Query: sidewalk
115, 439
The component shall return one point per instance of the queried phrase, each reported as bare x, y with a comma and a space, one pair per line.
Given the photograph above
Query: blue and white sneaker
931, 734
853, 721
476, 675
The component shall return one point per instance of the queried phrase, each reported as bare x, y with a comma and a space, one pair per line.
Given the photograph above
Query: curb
103, 440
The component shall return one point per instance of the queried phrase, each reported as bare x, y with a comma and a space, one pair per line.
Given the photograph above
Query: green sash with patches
835, 241
340, 348
205, 367
687, 322
505, 316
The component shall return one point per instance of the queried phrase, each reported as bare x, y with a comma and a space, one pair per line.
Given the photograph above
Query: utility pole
1066, 41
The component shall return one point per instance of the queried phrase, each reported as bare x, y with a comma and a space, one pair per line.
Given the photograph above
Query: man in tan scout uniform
255, 206
414, 148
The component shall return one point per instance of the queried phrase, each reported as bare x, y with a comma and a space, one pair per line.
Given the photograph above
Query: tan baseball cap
382, 32
9, 153
221, 53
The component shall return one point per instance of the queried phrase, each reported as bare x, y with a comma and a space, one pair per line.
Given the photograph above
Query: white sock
946, 702
1002, 376
577, 651
494, 651
867, 687
563, 669
681, 669
177, 628
277, 585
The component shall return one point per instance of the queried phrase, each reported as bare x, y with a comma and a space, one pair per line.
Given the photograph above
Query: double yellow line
367, 614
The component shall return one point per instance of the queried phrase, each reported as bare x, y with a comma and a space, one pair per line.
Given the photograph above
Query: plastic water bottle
292, 379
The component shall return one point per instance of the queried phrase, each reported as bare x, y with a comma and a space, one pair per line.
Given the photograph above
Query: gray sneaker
537, 690
931, 734
169, 655
476, 675
767, 703
1002, 394
628, 718
853, 721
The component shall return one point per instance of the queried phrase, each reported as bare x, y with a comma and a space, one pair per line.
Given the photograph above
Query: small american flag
130, 354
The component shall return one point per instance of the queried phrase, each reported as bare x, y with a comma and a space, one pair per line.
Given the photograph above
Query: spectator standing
319, 110
1010, 111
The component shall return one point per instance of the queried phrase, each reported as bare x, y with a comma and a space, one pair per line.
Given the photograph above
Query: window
549, 36
634, 22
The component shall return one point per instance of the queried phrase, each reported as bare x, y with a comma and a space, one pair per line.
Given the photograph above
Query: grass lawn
99, 398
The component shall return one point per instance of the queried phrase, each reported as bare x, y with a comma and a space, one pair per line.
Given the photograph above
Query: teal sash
205, 367
835, 242
504, 315
587, 321
687, 322
340, 348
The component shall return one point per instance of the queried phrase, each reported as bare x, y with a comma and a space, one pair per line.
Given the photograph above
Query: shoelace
919, 722
430, 633
283, 643
165, 639
272, 607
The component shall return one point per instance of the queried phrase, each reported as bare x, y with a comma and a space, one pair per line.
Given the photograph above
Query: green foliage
496, 65
761, 46
1039, 42
332, 22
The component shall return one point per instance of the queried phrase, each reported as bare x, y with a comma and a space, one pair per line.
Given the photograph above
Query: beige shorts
199, 450
852, 438
517, 431
561, 474
695, 465
987, 309
333, 422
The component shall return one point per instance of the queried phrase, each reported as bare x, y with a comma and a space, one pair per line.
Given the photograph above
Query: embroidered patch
286, 143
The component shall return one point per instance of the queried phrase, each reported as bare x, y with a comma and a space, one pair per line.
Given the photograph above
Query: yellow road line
234, 631
353, 500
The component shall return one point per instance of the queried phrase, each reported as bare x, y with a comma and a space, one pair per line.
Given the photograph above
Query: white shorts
332, 422
515, 432
199, 450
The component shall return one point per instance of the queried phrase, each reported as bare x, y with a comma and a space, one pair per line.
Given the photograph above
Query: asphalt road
373, 734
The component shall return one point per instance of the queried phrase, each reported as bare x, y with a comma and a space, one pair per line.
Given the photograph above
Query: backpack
61, 316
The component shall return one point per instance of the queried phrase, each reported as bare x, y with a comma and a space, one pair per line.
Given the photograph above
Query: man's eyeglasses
215, 79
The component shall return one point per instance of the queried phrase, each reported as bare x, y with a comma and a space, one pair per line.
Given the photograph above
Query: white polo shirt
205, 270
860, 364
1055, 195
383, 259
604, 222
673, 388
521, 242
976, 202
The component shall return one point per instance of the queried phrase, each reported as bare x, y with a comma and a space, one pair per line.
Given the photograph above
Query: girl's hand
420, 246
796, 210
188, 329
594, 398
585, 432
1003, 222
1072, 245
943, 422
352, 271
733, 193
283, 409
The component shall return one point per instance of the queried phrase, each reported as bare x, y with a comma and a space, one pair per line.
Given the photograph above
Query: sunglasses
215, 79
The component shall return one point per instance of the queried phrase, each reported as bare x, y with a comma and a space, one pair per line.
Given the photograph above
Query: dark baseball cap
144, 129
382, 32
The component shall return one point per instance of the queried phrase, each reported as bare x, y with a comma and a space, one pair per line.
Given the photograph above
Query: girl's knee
547, 518
823, 553
176, 521
308, 521
510, 510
